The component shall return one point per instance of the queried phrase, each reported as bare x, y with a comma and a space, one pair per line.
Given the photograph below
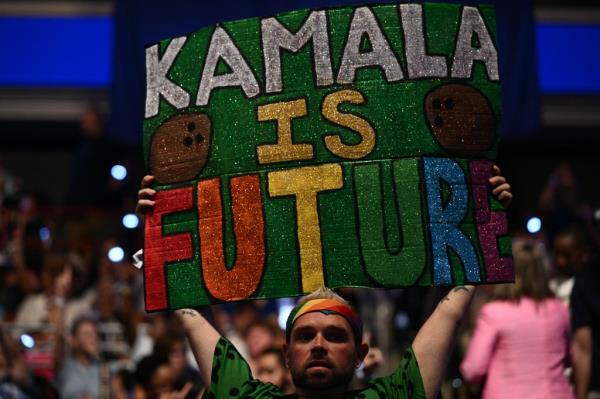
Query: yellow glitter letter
361, 126
305, 183
285, 150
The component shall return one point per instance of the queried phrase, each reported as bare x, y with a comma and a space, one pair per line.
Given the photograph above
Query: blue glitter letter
444, 220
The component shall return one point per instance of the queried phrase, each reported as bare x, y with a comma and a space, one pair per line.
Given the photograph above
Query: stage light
534, 225
130, 221
116, 254
118, 172
402, 321
27, 341
44, 234
457, 383
285, 307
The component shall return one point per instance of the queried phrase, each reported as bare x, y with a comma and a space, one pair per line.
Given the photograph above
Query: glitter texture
340, 147
465, 54
490, 225
420, 65
444, 220
223, 48
157, 84
364, 22
248, 219
275, 37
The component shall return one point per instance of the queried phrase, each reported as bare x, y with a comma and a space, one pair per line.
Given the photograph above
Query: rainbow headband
326, 306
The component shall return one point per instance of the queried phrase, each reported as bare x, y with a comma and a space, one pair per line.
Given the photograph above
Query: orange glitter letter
243, 278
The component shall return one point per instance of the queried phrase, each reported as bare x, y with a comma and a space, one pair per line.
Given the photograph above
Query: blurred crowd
73, 323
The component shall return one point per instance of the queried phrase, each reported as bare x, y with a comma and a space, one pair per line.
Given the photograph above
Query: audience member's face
161, 382
258, 339
86, 339
177, 359
270, 369
321, 353
568, 255
91, 124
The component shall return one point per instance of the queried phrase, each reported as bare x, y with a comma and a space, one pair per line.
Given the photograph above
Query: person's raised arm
435, 340
203, 339
202, 336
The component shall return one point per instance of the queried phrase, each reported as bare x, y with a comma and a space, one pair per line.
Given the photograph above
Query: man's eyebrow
303, 328
336, 328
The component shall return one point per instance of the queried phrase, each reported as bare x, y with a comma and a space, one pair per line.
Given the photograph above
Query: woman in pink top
520, 343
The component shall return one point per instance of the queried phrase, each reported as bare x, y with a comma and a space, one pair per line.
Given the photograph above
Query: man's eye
304, 336
337, 336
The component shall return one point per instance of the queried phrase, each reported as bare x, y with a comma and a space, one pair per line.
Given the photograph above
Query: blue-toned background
78, 52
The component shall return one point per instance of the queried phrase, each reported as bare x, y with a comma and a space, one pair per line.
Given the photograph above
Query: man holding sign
342, 147
324, 343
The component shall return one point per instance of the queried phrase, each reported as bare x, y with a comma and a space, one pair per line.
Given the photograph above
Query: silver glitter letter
157, 83
222, 47
464, 55
420, 65
276, 36
381, 54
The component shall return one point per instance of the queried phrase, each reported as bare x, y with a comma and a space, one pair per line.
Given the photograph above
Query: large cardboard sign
339, 147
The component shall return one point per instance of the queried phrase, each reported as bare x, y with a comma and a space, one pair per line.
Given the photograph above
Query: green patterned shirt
231, 378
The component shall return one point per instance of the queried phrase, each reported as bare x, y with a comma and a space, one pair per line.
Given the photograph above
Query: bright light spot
116, 254
597, 214
402, 321
534, 225
130, 221
286, 305
44, 234
27, 341
118, 172
457, 383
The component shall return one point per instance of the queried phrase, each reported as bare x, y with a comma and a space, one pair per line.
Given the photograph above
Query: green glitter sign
339, 147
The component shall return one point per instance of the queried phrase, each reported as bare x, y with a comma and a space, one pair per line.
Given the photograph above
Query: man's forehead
321, 320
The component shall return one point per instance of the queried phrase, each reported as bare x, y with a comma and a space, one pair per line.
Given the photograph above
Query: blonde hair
531, 273
323, 293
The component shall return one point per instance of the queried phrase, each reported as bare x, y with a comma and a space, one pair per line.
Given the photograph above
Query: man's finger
496, 180
146, 181
505, 197
146, 193
145, 203
501, 188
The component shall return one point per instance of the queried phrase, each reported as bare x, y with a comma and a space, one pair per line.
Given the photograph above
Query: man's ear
362, 351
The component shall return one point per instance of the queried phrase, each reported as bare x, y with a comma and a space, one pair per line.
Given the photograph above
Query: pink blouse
522, 348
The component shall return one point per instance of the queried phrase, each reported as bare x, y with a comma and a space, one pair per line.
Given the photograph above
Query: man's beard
332, 380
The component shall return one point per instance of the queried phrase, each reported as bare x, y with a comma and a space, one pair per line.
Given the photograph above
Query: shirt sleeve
476, 363
231, 376
404, 383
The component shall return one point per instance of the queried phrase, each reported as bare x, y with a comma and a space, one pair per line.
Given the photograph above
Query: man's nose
319, 344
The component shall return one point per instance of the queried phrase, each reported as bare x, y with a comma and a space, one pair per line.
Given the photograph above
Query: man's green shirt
231, 378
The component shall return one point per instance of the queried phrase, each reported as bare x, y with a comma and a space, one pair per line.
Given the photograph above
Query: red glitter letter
248, 223
159, 249
489, 225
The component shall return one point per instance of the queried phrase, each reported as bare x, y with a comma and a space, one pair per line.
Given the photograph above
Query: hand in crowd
372, 362
145, 195
500, 188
